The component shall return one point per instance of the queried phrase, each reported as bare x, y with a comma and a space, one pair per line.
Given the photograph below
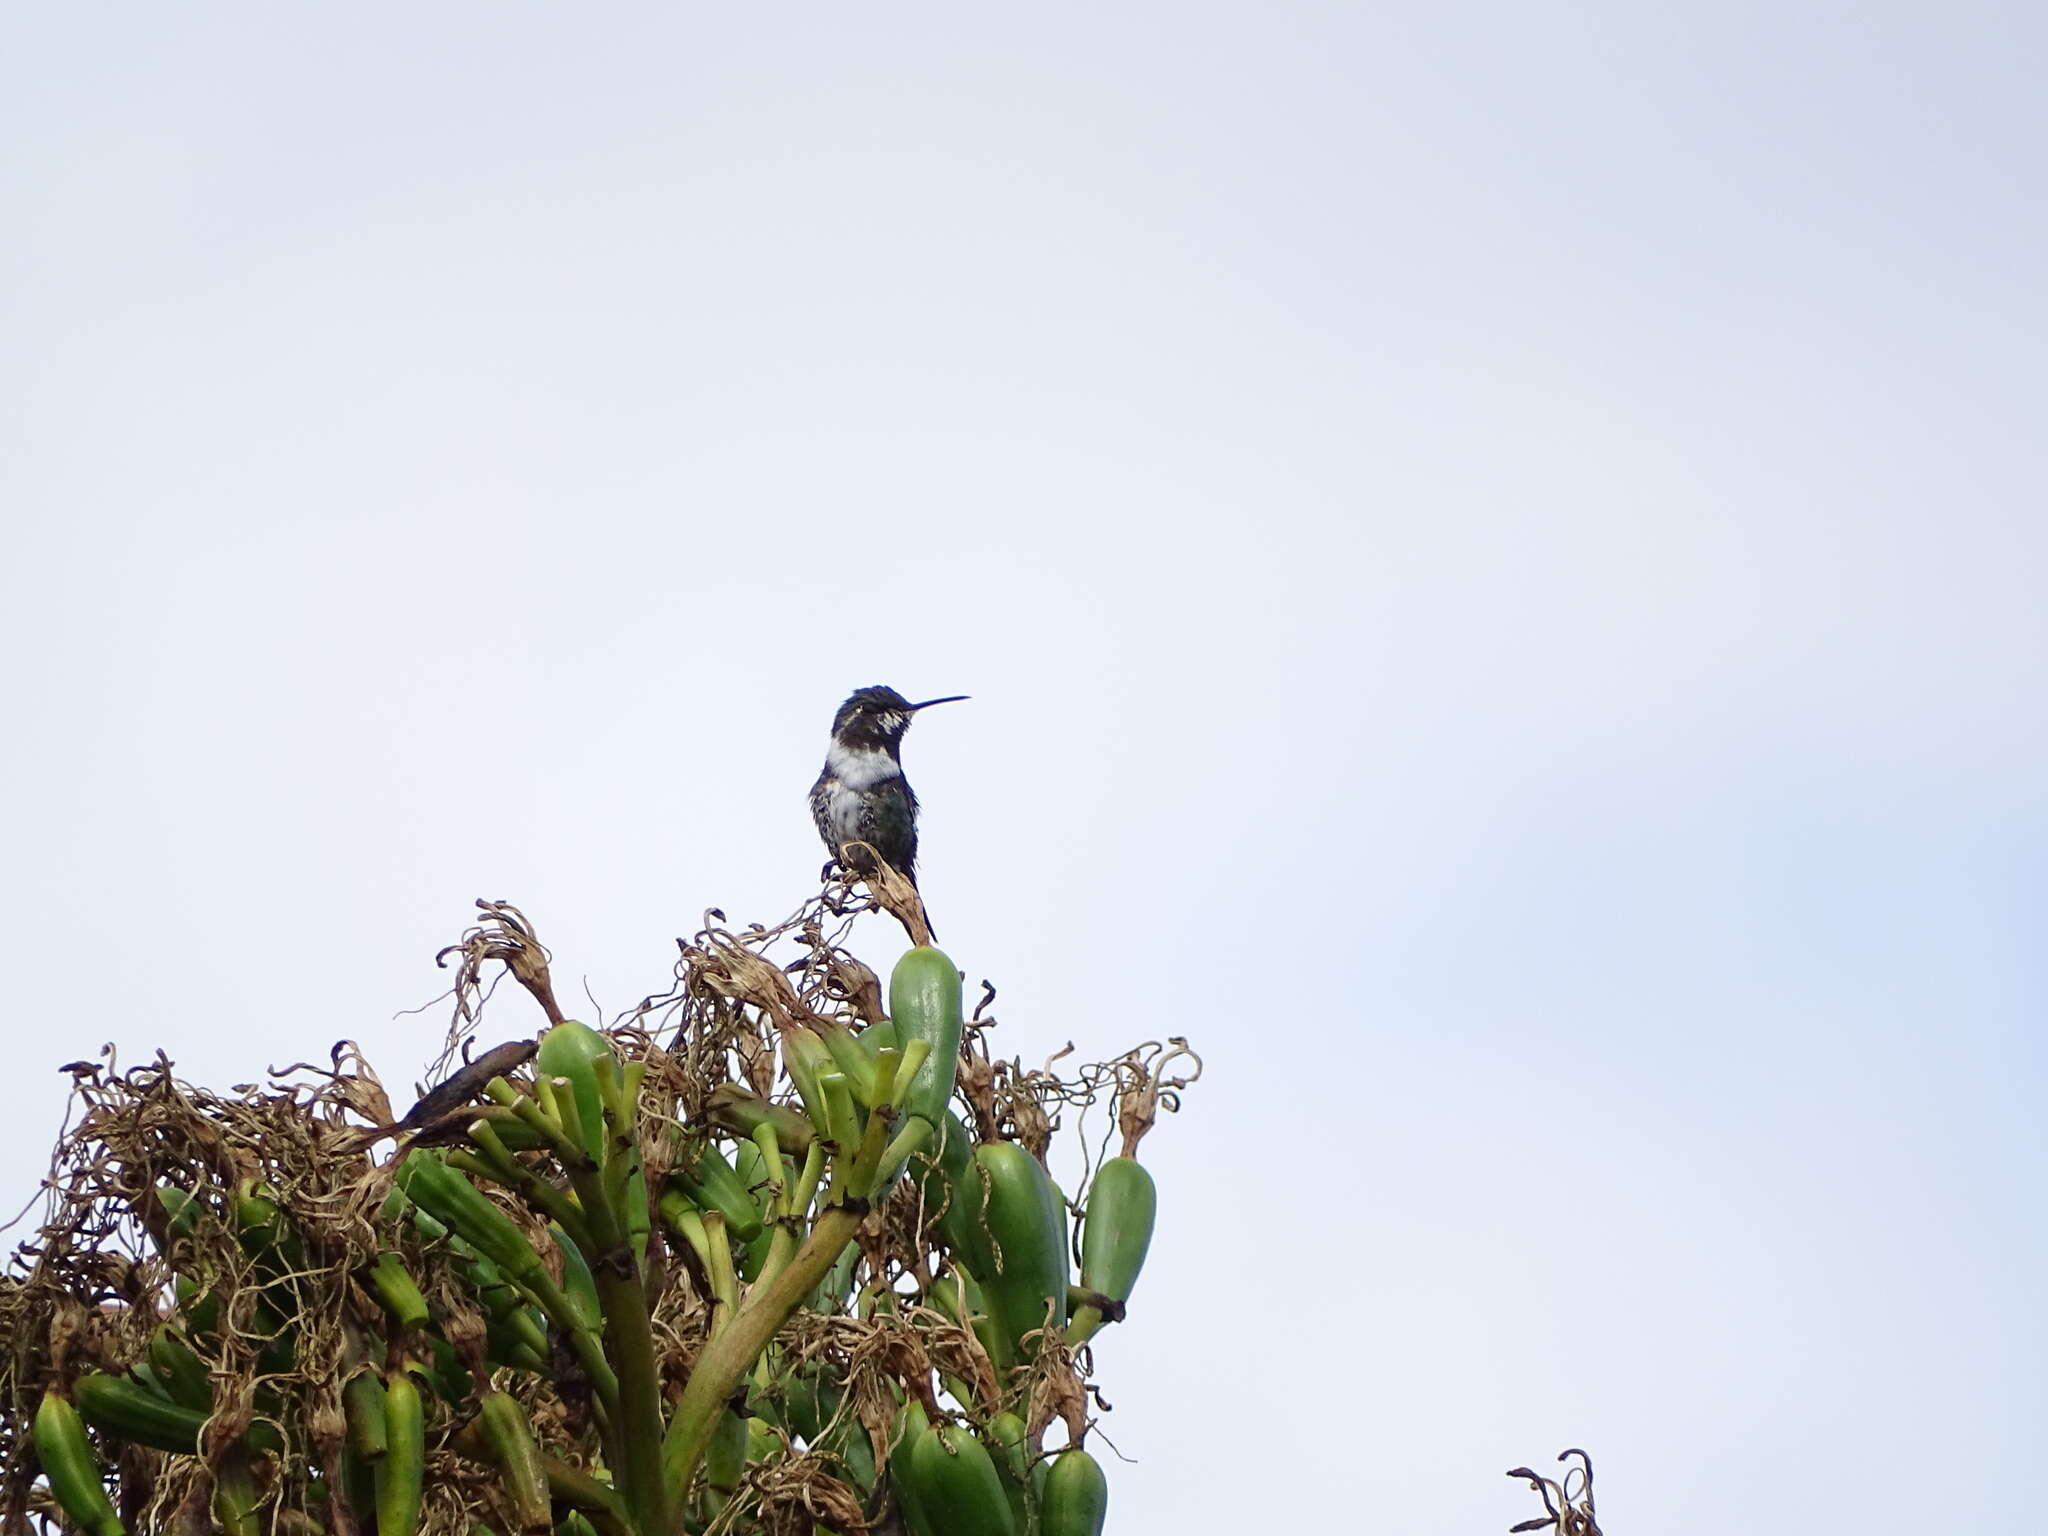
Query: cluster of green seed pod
524, 1258
1003, 1228
954, 1481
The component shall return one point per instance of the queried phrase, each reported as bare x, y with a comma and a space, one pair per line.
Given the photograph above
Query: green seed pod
265, 1232
1076, 1497
571, 1050
396, 1291
446, 1373
578, 1055
714, 1186
145, 1373
127, 1410
1010, 1443
959, 1295
516, 1329
460, 1206
911, 1426
949, 1183
811, 1398
741, 1112
182, 1372
924, 1004
578, 1283
954, 1473
1116, 1231
235, 1497
201, 1309
1021, 1257
503, 1346
177, 1214
857, 1455
401, 1470
1122, 1203
725, 1459
362, 1407
71, 1467
358, 1484
510, 1439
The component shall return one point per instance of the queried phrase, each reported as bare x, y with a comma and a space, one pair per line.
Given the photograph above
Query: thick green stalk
630, 1333
622, 1147
634, 1442
727, 1358
782, 1246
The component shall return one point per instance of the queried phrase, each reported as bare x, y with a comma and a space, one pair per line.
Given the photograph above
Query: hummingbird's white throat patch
859, 768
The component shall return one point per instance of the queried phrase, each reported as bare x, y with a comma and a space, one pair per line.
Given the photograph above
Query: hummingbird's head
878, 717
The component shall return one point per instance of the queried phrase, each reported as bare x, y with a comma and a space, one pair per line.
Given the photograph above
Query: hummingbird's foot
844, 895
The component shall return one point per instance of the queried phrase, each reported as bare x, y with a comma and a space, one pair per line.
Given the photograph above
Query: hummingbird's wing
889, 816
882, 813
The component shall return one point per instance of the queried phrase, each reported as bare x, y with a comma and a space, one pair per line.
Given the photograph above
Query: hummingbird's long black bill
954, 698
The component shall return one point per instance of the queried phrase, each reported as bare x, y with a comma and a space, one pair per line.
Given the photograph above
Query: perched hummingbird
862, 795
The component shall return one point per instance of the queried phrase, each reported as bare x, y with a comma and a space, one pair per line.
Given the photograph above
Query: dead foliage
245, 1223
1567, 1501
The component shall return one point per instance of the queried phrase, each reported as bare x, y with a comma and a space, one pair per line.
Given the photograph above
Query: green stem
914, 1054
807, 1179
784, 1243
726, 1359
630, 1333
912, 1138
853, 1063
804, 1056
579, 1490
719, 1266
782, 1246
499, 1165
874, 1142
687, 1222
771, 1164
883, 1090
622, 1148
531, 1112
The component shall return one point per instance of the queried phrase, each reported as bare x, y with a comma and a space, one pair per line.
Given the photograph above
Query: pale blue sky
1498, 552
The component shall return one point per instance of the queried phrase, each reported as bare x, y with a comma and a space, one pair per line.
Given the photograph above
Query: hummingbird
862, 795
